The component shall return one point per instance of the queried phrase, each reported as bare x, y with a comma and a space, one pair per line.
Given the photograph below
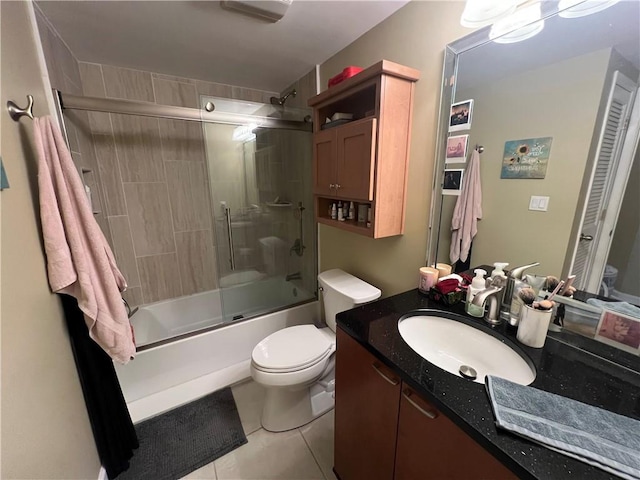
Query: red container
348, 72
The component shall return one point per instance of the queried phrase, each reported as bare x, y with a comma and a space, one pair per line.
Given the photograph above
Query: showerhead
280, 101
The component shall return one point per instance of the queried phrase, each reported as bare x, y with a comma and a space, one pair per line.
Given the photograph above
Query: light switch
539, 204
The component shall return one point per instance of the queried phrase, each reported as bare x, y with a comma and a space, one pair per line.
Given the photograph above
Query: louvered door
592, 244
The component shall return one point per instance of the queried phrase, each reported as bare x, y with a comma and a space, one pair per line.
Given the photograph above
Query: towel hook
479, 148
16, 112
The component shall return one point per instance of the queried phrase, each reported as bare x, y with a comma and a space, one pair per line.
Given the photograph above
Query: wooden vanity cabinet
429, 445
365, 160
366, 413
385, 431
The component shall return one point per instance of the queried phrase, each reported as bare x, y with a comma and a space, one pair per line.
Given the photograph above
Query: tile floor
305, 453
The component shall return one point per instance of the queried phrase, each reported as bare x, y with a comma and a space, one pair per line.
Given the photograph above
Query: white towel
467, 212
79, 260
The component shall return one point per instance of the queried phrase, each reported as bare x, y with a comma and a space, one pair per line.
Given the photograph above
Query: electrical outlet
539, 204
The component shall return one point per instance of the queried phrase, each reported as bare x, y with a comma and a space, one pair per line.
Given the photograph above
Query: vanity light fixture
269, 10
582, 8
519, 26
480, 13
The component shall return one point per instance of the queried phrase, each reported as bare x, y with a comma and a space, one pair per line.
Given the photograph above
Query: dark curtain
461, 266
111, 423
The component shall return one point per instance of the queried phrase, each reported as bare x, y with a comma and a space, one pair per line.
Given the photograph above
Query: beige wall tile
138, 148
181, 140
93, 86
189, 196
159, 277
214, 89
196, 259
123, 249
251, 95
173, 93
110, 175
173, 78
128, 84
149, 218
305, 88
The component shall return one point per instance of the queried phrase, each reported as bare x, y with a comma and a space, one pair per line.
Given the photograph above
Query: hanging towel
467, 212
590, 434
79, 260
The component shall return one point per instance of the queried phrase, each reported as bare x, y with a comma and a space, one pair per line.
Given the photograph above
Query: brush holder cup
533, 326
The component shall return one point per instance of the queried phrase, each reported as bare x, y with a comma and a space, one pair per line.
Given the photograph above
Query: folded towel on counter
619, 307
590, 434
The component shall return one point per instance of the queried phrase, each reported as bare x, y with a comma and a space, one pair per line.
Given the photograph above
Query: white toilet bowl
296, 364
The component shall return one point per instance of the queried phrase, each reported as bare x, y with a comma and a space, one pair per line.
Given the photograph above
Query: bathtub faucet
130, 312
293, 276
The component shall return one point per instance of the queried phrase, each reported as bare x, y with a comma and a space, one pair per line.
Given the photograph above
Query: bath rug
186, 438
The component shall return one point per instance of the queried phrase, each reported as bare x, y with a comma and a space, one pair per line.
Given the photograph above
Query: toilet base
288, 409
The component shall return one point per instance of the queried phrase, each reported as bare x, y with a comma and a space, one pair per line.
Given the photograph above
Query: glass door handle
232, 257
586, 238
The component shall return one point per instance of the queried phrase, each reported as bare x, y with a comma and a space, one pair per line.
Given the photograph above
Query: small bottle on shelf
352, 211
368, 216
340, 212
334, 211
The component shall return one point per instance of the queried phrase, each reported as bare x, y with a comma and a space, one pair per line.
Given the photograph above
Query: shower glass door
260, 184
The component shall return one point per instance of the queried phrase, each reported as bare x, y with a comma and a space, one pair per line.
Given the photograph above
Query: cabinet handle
390, 380
407, 394
332, 185
338, 185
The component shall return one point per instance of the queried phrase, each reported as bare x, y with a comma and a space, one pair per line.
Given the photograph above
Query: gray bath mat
184, 439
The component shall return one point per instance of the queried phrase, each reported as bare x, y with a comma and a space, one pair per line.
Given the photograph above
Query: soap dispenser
477, 285
498, 277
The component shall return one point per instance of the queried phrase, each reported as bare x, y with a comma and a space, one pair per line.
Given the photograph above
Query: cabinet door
356, 159
324, 162
430, 446
366, 413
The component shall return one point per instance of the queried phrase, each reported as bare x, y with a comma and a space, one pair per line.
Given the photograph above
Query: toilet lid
292, 348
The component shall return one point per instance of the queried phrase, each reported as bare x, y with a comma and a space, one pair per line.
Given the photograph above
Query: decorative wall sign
4, 181
452, 184
526, 158
460, 118
457, 149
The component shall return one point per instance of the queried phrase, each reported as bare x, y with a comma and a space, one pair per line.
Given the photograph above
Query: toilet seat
292, 349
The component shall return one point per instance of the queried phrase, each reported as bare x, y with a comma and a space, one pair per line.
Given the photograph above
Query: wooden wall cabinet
366, 159
385, 431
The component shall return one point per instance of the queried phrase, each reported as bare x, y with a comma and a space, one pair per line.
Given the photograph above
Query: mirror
550, 92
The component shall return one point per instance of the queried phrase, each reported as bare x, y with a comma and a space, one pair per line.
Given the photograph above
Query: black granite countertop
562, 368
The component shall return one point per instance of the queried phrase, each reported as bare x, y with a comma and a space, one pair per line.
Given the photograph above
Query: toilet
296, 365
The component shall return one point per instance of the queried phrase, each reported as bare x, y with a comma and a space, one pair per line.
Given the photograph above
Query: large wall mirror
570, 90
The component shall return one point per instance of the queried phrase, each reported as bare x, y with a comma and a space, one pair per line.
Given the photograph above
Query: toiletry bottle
477, 285
498, 277
368, 216
334, 211
352, 211
340, 212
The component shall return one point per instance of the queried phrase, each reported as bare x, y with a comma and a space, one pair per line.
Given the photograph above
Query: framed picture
619, 330
452, 184
460, 118
527, 158
457, 149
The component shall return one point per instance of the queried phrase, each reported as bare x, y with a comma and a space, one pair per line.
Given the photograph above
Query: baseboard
173, 397
102, 475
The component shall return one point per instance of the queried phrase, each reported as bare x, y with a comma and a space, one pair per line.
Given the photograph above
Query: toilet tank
342, 291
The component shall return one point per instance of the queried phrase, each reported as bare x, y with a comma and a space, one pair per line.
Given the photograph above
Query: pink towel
467, 212
79, 260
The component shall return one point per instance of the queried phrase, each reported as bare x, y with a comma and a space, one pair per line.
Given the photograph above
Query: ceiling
200, 39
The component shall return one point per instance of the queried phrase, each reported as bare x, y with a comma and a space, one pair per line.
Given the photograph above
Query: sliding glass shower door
260, 183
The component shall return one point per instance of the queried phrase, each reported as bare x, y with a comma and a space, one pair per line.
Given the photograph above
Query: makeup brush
527, 295
551, 283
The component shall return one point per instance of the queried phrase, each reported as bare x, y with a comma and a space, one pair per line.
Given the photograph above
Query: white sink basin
451, 345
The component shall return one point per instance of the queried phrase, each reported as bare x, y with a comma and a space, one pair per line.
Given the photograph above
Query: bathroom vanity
398, 416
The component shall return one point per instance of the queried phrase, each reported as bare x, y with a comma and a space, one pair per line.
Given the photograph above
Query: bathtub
170, 373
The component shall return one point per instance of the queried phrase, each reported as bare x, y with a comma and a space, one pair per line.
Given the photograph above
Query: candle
428, 278
443, 269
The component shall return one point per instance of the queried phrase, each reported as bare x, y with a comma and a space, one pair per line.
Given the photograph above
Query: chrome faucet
513, 275
294, 276
130, 313
491, 297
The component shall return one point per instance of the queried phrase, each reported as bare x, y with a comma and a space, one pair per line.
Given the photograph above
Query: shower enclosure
215, 206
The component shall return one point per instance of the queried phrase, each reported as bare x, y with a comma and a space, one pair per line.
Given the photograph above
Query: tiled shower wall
148, 176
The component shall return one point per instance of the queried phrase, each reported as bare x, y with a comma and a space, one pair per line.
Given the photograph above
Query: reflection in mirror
568, 93
554, 86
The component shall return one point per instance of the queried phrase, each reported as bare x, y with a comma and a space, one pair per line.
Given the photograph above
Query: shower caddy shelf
365, 161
